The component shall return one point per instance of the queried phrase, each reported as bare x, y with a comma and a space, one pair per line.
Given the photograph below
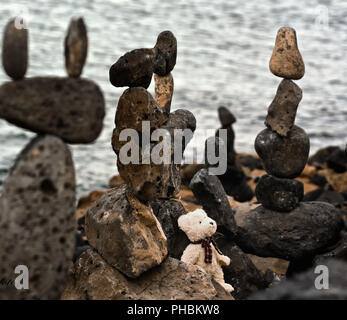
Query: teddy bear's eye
200, 222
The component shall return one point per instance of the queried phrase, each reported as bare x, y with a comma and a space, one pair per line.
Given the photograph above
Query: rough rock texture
338, 251
282, 111
286, 61
302, 286
167, 212
135, 106
91, 278
279, 194
72, 109
151, 181
125, 232
164, 88
283, 157
76, 47
165, 53
134, 69
308, 229
241, 273
15, 51
210, 193
37, 219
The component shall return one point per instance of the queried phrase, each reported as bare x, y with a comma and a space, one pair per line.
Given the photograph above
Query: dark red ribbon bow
206, 244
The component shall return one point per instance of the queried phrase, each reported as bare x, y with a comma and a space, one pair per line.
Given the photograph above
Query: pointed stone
164, 87
76, 47
286, 61
37, 219
166, 53
15, 50
226, 118
126, 232
282, 111
134, 69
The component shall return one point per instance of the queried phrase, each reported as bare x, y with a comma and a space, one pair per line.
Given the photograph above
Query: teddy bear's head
197, 225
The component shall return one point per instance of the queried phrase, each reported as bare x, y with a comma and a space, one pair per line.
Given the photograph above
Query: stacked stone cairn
133, 227
283, 226
234, 179
37, 204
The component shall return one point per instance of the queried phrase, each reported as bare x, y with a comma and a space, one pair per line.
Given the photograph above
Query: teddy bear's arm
190, 255
223, 260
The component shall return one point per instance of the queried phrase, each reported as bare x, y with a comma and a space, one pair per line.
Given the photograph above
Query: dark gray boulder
72, 109
37, 219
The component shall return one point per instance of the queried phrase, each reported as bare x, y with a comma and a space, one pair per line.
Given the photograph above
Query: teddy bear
203, 250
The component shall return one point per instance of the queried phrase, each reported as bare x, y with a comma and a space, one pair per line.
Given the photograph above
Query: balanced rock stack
234, 179
37, 204
127, 237
283, 226
70, 108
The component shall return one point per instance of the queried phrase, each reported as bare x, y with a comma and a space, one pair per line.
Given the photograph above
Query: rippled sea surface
224, 47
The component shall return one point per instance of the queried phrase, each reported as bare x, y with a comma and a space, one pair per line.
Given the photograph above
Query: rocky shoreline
279, 213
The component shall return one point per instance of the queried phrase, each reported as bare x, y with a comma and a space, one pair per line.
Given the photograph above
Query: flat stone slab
308, 229
72, 109
37, 219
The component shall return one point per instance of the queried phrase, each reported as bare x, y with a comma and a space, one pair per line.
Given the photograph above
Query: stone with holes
165, 53
282, 111
37, 219
286, 61
72, 109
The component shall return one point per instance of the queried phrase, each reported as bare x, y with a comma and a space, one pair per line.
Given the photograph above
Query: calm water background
223, 51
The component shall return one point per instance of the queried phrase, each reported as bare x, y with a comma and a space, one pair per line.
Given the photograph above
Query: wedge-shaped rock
126, 232
286, 61
308, 229
37, 220
72, 109
92, 278
282, 111
76, 47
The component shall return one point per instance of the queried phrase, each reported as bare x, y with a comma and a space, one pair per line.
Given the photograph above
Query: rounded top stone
226, 118
286, 60
15, 50
166, 53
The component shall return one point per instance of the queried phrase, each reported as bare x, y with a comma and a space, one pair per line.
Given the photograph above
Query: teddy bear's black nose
211, 223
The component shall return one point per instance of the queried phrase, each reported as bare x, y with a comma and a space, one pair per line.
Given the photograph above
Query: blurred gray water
223, 51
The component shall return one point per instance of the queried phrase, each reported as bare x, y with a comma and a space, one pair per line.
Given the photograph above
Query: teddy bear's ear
183, 222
